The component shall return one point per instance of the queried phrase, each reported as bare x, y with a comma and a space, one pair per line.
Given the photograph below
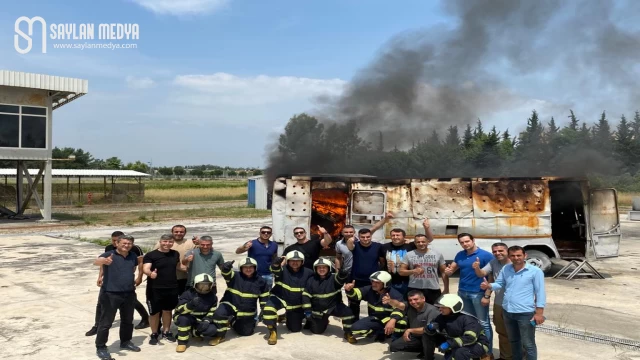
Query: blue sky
212, 81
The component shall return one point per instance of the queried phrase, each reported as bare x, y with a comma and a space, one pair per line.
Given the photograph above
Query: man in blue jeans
469, 286
523, 303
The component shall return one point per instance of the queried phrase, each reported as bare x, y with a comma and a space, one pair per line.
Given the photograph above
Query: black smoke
427, 80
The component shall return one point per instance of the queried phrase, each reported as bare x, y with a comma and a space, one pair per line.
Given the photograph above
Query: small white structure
257, 192
27, 102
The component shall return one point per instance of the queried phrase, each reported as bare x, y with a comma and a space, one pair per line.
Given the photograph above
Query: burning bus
551, 217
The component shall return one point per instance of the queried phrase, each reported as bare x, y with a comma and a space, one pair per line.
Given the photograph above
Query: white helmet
322, 262
295, 255
382, 276
203, 283
451, 301
247, 262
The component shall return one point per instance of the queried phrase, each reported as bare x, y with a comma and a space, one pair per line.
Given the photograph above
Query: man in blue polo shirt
469, 286
523, 303
119, 294
263, 251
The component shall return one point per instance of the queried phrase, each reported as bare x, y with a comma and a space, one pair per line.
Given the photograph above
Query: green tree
138, 166
298, 146
573, 122
197, 172
113, 163
165, 171
179, 170
467, 137
257, 172
242, 173
232, 173
602, 139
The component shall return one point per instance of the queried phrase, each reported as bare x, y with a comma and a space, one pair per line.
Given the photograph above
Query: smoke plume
499, 57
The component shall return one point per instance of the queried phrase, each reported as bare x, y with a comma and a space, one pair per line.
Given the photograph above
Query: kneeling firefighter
385, 318
238, 307
458, 335
322, 297
194, 313
287, 293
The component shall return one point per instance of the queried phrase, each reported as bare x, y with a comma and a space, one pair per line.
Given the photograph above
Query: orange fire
331, 205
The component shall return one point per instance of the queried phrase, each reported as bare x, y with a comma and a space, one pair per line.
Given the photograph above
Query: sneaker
154, 339
128, 345
103, 353
168, 336
92, 332
143, 324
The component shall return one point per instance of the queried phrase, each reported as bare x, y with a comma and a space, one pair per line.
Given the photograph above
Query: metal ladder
574, 269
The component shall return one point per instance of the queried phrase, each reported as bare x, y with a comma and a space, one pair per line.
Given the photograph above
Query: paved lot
49, 296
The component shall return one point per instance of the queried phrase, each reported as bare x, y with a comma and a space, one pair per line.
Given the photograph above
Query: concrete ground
49, 297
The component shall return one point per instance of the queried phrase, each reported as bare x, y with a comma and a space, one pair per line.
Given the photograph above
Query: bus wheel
538, 259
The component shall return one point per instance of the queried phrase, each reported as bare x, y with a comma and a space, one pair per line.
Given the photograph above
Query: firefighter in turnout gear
290, 282
238, 307
322, 297
455, 333
386, 308
194, 313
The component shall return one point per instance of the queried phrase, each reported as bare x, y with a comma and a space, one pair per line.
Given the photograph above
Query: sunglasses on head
299, 232
265, 232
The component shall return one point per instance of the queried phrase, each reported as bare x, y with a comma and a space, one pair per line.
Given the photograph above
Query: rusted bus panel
603, 210
436, 199
414, 226
298, 198
399, 201
316, 185
511, 197
506, 226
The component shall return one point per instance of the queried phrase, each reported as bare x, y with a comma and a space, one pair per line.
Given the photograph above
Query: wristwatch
487, 296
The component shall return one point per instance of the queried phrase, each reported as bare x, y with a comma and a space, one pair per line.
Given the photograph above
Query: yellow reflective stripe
184, 328
292, 289
183, 338
346, 326
401, 322
355, 294
319, 313
199, 313
230, 304
223, 329
264, 294
183, 309
472, 334
380, 309
263, 303
398, 330
385, 320
241, 294
459, 341
293, 307
348, 317
397, 313
220, 321
324, 296
304, 293
269, 317
361, 332
275, 270
306, 306
270, 308
240, 313
227, 273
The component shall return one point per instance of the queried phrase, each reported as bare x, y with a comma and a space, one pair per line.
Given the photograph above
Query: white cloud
227, 89
139, 83
182, 7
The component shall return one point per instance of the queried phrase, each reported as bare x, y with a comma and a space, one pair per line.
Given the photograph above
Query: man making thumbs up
119, 286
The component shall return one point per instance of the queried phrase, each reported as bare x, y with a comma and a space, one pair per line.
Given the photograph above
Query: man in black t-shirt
393, 253
161, 267
144, 323
309, 247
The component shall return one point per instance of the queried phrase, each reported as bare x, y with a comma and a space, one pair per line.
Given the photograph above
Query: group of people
399, 281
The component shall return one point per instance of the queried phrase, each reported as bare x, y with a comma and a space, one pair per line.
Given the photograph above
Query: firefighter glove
277, 261
203, 326
432, 326
444, 346
227, 266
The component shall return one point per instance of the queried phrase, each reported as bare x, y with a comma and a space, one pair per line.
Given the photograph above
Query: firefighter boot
216, 340
181, 348
273, 335
350, 338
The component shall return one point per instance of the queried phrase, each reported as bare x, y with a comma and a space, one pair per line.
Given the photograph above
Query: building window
23, 126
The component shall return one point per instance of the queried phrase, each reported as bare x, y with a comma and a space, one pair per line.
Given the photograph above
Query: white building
27, 102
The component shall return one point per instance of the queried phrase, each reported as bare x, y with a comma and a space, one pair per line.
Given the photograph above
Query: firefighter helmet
203, 283
295, 255
322, 262
451, 301
247, 262
382, 276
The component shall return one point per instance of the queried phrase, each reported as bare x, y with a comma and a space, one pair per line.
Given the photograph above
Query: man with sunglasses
309, 247
263, 251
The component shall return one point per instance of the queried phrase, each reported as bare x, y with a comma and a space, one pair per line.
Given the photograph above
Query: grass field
132, 217
195, 194
624, 198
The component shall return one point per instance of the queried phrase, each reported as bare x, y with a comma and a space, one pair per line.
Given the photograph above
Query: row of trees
542, 149
80, 159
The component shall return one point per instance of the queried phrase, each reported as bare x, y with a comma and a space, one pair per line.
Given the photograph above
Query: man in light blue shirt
523, 303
